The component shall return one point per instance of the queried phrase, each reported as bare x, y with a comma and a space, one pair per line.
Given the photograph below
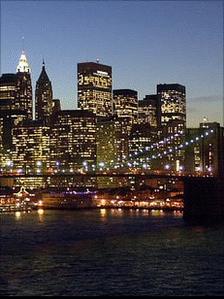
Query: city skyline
191, 67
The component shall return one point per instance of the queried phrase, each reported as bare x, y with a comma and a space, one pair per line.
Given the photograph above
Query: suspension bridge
203, 191
136, 164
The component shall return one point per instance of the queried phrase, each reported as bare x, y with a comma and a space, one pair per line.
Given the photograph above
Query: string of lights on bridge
132, 158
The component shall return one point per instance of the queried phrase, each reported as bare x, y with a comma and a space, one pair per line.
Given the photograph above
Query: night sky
145, 42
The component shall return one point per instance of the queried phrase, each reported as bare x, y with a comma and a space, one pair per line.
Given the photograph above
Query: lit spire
23, 65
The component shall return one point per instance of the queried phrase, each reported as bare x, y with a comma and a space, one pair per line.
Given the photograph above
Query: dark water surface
109, 252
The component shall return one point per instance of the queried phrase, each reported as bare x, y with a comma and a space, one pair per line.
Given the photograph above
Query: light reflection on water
105, 212
40, 213
109, 252
18, 215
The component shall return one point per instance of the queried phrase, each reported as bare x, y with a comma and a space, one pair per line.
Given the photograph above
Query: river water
109, 252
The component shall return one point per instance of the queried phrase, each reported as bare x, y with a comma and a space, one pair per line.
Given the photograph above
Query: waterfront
109, 252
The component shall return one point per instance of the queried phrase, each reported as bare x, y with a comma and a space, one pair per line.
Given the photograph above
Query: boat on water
64, 200
19, 201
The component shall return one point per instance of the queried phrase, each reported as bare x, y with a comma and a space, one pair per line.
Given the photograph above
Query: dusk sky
145, 42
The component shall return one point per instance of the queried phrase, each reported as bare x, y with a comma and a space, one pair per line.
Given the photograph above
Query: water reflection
157, 213
40, 214
103, 213
18, 215
75, 253
116, 212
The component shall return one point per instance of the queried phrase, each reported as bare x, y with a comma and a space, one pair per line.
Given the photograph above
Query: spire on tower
43, 75
23, 44
23, 65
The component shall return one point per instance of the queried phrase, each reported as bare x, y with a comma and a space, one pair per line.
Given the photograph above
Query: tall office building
73, 138
125, 103
142, 137
10, 112
173, 102
10, 119
149, 111
43, 97
207, 155
112, 148
173, 121
24, 98
8, 83
95, 88
31, 145
112, 140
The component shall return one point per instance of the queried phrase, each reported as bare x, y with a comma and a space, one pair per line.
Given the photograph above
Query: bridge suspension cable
183, 145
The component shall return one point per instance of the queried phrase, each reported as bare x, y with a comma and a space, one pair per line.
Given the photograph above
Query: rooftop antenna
23, 44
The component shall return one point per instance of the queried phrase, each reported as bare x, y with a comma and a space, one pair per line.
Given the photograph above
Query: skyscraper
207, 155
173, 119
73, 138
43, 97
24, 98
112, 140
11, 112
149, 110
95, 88
8, 83
173, 103
126, 104
31, 141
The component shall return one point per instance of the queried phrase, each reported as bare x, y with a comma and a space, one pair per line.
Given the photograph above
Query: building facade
31, 146
207, 155
56, 106
24, 98
141, 138
95, 88
8, 83
112, 141
173, 122
43, 97
173, 102
125, 103
149, 111
73, 139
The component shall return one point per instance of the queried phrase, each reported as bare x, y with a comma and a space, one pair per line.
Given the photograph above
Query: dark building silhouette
56, 106
149, 110
43, 97
10, 119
